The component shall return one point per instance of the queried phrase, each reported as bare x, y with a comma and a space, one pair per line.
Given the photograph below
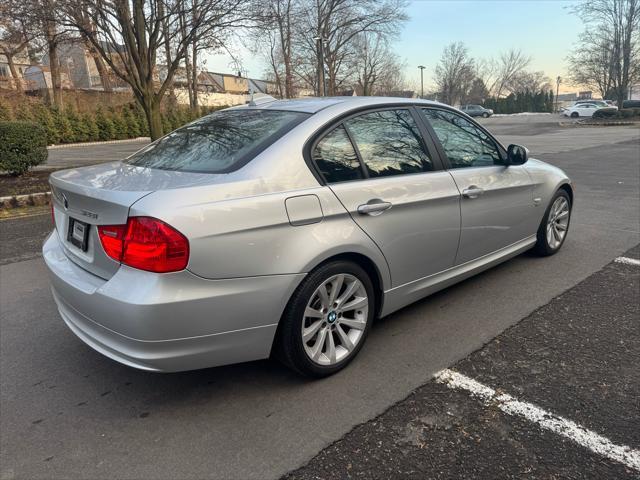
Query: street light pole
421, 67
558, 80
322, 88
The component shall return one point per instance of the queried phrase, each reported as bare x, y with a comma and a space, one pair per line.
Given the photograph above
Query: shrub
5, 113
106, 130
119, 125
22, 145
44, 116
66, 134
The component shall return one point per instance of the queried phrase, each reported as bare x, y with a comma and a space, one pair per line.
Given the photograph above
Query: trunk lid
83, 198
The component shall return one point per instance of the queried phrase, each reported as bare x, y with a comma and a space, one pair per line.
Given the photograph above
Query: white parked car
581, 110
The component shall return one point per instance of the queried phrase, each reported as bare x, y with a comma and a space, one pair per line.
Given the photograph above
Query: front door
378, 166
496, 203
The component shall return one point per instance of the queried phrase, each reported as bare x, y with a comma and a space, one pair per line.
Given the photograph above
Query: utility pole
558, 80
421, 67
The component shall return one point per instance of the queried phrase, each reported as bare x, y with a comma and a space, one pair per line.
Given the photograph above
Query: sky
544, 29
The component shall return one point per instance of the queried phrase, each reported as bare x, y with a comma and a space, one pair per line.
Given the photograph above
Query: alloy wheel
558, 222
335, 319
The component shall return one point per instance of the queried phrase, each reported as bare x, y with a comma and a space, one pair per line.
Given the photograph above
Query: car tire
294, 351
485, 115
575, 114
547, 241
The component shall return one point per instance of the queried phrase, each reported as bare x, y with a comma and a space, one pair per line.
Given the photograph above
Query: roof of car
315, 104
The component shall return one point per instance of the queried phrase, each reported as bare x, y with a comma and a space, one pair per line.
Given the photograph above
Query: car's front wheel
485, 115
575, 115
327, 319
555, 225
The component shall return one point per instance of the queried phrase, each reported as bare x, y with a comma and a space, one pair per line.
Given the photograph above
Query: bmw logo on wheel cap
332, 317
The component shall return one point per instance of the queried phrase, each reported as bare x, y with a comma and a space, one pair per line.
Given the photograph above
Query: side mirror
517, 154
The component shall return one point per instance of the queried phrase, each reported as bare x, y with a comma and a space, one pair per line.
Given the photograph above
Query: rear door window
389, 143
218, 143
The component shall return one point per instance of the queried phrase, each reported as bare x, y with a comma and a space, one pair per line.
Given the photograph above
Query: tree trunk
100, 66
14, 72
54, 67
154, 117
194, 76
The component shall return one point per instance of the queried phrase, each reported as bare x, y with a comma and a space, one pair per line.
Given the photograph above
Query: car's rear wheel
555, 225
575, 114
327, 319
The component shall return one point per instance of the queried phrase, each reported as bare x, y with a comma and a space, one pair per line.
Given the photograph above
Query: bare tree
510, 64
532, 82
454, 73
43, 18
14, 37
330, 27
131, 34
372, 62
81, 17
618, 43
591, 64
275, 24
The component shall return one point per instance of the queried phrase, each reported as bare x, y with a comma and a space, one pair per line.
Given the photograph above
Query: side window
464, 143
389, 143
335, 157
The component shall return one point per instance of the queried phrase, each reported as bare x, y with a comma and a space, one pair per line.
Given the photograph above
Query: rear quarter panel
253, 236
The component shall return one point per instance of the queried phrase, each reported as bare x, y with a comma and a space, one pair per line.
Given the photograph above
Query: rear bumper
168, 322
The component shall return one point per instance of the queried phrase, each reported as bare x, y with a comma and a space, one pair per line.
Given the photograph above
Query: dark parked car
476, 111
631, 104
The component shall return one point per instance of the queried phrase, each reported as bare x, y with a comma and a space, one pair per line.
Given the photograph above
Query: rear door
496, 203
379, 167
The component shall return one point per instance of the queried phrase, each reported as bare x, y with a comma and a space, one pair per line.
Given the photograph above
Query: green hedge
22, 145
112, 123
627, 113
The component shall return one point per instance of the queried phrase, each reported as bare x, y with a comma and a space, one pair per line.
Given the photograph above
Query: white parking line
628, 261
549, 421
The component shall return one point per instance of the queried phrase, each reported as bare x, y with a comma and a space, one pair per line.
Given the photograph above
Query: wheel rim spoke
352, 323
345, 341
317, 348
310, 332
348, 293
336, 286
312, 313
331, 347
354, 304
324, 296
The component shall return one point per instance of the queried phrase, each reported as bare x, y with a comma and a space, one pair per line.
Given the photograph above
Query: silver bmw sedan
286, 227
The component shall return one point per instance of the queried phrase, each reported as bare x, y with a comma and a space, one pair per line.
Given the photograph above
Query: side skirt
403, 295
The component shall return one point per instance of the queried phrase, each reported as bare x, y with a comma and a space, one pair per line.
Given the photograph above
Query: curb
106, 142
33, 199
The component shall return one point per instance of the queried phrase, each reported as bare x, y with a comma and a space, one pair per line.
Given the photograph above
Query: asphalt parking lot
576, 357
67, 412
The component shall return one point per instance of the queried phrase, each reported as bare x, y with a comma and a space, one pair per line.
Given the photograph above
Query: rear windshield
218, 143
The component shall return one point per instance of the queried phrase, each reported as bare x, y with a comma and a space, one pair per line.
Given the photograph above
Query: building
20, 62
79, 66
38, 77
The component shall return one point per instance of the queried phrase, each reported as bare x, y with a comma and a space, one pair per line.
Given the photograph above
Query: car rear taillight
146, 243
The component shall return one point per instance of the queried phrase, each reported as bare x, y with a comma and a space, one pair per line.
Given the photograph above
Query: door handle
374, 207
472, 192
